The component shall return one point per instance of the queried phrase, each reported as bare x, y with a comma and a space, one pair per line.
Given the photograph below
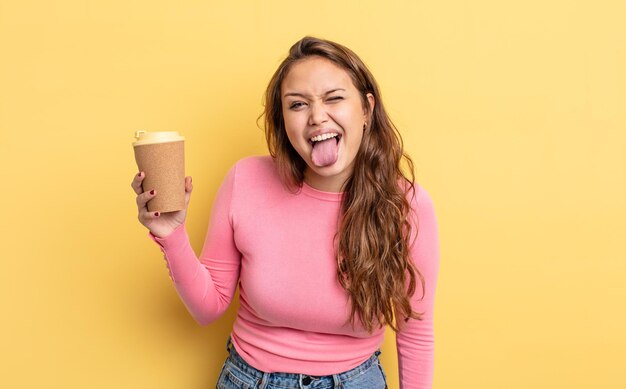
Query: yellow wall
514, 113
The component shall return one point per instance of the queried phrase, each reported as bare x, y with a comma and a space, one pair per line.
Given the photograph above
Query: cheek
350, 118
293, 121
290, 135
294, 132
356, 141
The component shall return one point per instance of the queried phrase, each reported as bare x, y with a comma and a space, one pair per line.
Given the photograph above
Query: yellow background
514, 113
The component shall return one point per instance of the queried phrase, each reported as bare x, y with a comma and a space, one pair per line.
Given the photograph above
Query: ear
371, 102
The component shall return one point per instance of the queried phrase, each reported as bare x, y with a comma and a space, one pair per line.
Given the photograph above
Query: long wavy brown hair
373, 239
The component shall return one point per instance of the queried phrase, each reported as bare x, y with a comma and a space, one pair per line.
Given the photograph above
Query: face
324, 118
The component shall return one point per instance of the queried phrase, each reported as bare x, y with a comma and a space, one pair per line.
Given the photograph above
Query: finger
143, 198
136, 183
188, 189
145, 216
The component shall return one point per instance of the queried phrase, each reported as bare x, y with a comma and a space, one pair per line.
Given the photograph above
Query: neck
325, 184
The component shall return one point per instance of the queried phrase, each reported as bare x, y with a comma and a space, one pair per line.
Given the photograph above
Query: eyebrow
306, 96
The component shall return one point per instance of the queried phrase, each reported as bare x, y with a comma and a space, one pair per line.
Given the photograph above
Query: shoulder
422, 199
255, 162
255, 168
255, 185
255, 173
417, 196
422, 214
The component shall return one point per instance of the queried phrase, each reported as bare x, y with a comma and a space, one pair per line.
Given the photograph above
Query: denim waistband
290, 380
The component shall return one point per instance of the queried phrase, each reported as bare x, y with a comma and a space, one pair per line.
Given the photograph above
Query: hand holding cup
160, 224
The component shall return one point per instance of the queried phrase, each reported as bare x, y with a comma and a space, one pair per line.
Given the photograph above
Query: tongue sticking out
325, 152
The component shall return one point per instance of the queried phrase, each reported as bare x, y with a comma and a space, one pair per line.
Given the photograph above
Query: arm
206, 284
415, 340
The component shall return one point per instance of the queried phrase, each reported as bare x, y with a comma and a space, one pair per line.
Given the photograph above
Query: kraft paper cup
161, 156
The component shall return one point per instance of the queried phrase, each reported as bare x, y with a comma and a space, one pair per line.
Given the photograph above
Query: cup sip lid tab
146, 137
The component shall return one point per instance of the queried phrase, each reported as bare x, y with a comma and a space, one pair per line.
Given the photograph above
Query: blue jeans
237, 374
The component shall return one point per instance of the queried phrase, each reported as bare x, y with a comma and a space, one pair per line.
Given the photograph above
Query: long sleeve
206, 284
415, 341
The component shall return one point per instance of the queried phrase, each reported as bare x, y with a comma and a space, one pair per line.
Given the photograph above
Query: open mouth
322, 137
325, 149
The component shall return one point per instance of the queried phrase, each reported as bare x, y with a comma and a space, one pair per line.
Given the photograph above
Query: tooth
322, 137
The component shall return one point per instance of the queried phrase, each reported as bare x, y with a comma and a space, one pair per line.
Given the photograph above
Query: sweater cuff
178, 254
174, 242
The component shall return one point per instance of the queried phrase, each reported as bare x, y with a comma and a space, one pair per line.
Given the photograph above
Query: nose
317, 114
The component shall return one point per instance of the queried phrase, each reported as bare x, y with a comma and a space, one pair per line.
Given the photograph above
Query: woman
328, 240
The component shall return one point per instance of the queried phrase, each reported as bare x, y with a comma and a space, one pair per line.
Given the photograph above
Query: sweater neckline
320, 194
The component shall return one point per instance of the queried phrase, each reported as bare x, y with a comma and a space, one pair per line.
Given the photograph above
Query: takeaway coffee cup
161, 156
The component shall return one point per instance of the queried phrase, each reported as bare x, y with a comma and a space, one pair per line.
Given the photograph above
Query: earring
365, 125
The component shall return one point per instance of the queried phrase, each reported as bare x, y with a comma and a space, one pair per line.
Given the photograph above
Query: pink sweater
278, 247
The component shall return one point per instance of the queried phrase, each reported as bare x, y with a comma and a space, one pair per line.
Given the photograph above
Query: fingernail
152, 192
156, 214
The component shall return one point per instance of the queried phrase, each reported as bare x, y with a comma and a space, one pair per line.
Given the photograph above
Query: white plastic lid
148, 138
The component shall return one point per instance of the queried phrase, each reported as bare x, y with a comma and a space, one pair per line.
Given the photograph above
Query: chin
330, 171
